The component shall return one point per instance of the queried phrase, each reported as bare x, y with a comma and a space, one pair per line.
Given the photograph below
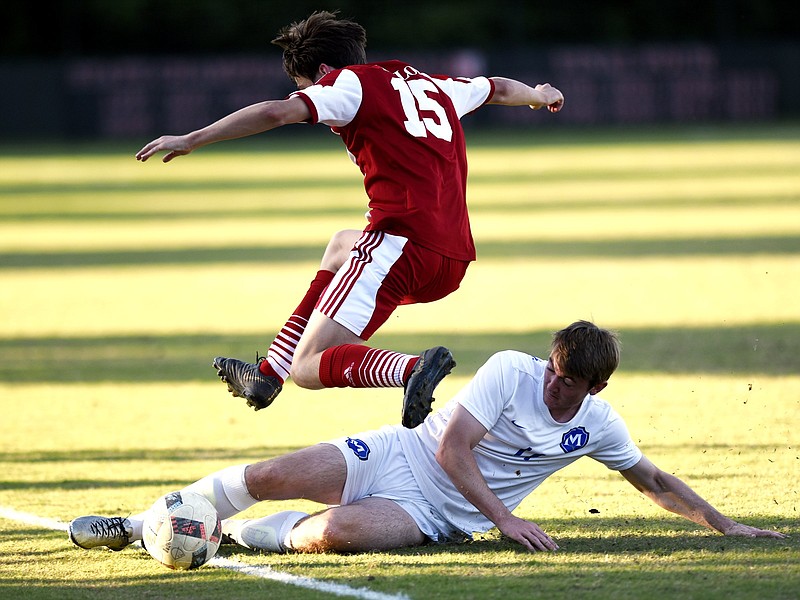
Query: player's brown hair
587, 351
321, 38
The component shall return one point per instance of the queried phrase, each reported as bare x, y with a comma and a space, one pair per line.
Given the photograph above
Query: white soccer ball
182, 530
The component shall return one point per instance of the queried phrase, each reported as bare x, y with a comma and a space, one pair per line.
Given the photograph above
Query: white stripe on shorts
351, 297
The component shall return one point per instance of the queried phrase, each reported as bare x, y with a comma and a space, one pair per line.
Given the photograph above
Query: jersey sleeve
466, 94
618, 452
335, 99
484, 396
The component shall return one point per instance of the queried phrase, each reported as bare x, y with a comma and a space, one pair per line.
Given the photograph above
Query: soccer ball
182, 530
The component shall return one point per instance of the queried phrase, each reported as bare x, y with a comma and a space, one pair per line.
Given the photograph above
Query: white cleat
92, 531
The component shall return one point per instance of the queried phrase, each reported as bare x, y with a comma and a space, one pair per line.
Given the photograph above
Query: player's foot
243, 532
90, 532
245, 380
432, 367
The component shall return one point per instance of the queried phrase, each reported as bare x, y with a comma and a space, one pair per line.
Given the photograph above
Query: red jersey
402, 128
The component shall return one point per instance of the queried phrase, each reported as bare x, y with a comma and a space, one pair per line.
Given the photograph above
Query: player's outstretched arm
510, 92
455, 456
247, 121
674, 495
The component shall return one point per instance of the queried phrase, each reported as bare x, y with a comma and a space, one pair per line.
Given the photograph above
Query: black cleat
245, 380
432, 367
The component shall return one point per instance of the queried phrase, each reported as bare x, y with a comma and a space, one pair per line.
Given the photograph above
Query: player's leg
383, 272
317, 473
369, 524
281, 352
361, 297
331, 355
380, 503
261, 383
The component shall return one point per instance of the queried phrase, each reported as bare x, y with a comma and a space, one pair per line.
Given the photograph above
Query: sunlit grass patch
121, 281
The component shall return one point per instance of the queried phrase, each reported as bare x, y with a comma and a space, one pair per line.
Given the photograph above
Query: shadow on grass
599, 558
628, 248
164, 455
597, 535
755, 349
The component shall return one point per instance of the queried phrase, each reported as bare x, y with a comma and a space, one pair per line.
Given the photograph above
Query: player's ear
323, 70
598, 388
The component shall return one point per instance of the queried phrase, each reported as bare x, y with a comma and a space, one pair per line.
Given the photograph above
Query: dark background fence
135, 68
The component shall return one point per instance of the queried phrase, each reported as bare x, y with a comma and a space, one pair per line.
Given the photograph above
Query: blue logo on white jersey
359, 448
575, 439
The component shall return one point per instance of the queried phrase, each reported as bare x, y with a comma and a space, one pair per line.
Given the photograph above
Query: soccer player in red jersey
402, 128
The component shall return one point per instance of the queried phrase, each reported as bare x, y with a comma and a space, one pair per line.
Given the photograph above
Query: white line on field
262, 572
304, 582
29, 519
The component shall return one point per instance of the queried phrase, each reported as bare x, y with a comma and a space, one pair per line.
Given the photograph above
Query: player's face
563, 394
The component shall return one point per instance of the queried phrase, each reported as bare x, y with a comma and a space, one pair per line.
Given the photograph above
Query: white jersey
524, 444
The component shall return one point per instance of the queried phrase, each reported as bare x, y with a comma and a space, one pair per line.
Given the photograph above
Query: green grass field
121, 281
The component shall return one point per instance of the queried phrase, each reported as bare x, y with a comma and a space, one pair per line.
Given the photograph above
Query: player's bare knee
261, 476
345, 239
304, 377
321, 533
305, 370
338, 249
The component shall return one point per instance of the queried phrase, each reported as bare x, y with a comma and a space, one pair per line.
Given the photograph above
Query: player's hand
553, 98
527, 533
173, 145
741, 530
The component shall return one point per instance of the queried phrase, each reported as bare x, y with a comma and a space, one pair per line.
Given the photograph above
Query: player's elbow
500, 95
449, 456
443, 457
272, 114
657, 486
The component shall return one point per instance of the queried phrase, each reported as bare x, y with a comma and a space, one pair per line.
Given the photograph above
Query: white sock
227, 491
137, 524
268, 533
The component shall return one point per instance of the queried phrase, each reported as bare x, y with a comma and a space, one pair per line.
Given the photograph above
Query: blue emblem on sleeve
359, 448
575, 439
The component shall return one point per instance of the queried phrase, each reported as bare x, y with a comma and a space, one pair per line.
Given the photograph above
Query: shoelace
113, 527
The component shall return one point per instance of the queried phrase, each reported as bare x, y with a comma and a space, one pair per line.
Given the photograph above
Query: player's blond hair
586, 351
322, 38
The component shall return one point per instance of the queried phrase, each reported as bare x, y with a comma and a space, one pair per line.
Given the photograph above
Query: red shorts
383, 272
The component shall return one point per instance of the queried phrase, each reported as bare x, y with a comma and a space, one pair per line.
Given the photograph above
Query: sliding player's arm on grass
455, 456
247, 121
510, 92
672, 494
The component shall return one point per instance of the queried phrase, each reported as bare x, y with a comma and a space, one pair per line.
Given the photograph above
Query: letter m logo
575, 439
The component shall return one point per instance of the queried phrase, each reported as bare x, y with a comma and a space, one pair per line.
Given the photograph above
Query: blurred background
103, 70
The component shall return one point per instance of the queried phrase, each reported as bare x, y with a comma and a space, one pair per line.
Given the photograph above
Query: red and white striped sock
281, 352
353, 365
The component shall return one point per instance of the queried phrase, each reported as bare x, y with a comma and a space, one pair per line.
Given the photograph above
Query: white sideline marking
304, 582
29, 519
262, 572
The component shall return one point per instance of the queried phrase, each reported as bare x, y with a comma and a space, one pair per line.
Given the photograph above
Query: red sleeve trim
491, 90
313, 109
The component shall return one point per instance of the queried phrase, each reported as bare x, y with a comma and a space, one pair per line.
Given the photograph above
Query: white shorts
377, 467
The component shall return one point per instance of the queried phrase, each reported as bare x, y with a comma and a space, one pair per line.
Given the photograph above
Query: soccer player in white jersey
402, 128
464, 470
